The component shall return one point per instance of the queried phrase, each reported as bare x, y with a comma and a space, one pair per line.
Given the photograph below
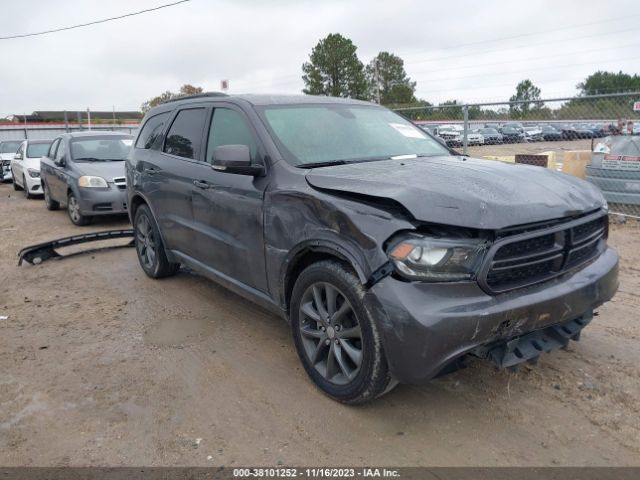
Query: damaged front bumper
41, 252
427, 327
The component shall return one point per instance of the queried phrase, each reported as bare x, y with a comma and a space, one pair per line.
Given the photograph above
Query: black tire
149, 246
345, 381
48, 201
25, 188
73, 209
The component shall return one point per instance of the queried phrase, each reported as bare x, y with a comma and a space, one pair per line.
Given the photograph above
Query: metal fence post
465, 110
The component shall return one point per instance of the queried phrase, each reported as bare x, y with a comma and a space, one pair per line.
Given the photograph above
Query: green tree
334, 69
528, 92
186, 89
609, 82
388, 79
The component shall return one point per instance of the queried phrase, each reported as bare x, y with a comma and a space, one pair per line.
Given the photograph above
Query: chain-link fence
596, 138
49, 131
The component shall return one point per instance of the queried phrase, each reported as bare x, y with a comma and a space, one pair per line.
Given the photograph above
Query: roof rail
197, 95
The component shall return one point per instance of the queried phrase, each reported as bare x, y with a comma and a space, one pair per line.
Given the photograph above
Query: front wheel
49, 202
25, 188
335, 337
73, 208
149, 246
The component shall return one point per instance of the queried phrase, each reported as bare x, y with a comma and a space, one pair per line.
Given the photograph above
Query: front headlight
87, 181
33, 173
436, 259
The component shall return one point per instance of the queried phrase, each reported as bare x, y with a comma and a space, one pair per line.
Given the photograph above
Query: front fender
297, 221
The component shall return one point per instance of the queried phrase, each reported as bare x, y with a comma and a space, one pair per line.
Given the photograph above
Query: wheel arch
309, 253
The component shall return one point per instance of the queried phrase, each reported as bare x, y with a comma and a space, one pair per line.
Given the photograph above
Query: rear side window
229, 128
185, 134
151, 130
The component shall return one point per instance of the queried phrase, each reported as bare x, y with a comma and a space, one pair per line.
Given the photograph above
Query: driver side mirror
17, 156
61, 162
235, 159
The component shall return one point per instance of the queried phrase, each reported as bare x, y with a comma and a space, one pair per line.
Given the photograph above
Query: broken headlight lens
437, 259
87, 181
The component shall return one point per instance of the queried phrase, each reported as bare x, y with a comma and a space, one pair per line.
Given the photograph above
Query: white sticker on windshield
127, 141
407, 130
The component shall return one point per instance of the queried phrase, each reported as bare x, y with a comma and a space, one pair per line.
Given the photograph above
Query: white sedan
25, 166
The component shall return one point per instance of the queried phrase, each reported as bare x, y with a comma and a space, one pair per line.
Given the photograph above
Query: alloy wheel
74, 209
331, 333
145, 243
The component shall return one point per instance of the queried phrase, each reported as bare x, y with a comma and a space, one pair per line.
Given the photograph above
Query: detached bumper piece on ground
41, 252
528, 348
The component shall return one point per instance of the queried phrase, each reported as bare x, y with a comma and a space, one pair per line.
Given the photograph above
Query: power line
528, 70
94, 22
534, 33
288, 79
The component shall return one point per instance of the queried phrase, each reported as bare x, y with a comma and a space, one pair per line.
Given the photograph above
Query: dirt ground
100, 365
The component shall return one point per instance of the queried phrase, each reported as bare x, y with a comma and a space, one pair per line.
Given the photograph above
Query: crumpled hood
463, 191
106, 170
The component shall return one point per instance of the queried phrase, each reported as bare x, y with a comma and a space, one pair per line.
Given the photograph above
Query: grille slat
539, 255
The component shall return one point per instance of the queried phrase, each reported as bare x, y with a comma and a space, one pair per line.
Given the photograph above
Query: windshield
488, 130
9, 147
309, 134
101, 149
37, 150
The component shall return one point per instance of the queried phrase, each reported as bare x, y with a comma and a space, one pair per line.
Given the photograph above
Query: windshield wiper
322, 164
93, 159
344, 162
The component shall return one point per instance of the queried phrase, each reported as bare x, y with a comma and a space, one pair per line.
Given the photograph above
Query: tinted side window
151, 130
185, 134
228, 127
52, 149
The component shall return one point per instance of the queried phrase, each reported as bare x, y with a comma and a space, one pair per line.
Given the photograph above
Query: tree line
333, 68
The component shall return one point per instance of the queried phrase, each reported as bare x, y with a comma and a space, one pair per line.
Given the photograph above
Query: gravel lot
100, 365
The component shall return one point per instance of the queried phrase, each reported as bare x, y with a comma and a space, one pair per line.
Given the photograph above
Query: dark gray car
85, 172
392, 257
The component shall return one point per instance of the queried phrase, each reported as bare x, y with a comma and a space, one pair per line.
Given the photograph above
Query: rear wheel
48, 201
335, 336
73, 208
149, 246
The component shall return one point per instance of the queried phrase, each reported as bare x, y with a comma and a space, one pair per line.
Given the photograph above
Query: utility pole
114, 114
88, 118
377, 75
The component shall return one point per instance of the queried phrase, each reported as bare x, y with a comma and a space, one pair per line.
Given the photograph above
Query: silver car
85, 172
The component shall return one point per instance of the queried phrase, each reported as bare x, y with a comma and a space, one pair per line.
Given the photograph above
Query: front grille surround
537, 255
120, 182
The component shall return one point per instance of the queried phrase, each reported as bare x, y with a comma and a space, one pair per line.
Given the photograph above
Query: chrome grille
536, 256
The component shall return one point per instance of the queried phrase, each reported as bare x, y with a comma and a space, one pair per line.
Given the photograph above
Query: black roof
257, 100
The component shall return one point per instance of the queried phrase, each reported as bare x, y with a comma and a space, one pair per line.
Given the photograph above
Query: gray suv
392, 257
85, 172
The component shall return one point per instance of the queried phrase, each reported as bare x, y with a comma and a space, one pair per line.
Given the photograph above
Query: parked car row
516, 132
84, 172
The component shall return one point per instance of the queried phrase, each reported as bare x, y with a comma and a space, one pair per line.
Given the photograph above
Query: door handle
202, 185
